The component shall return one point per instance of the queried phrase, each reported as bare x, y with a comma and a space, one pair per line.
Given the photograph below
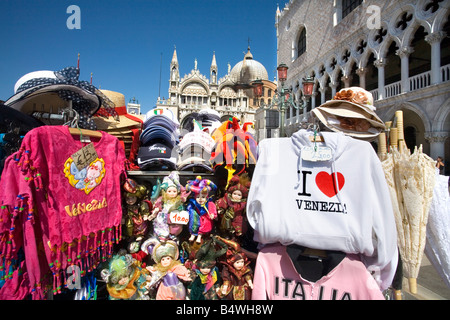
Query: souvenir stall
104, 205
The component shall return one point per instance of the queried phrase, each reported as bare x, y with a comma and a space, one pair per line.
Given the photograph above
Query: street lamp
284, 99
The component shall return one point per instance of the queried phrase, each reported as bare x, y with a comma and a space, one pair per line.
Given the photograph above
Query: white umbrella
411, 179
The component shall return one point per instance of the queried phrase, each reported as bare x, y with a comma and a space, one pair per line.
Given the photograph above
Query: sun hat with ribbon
43, 90
352, 112
127, 128
125, 122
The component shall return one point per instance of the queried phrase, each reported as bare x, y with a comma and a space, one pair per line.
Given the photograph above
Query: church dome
248, 70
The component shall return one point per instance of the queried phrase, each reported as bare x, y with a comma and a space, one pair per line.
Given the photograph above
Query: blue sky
121, 42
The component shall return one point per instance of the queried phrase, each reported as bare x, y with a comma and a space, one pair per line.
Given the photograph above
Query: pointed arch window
348, 6
301, 43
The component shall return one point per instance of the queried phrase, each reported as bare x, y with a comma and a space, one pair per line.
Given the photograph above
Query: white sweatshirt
292, 200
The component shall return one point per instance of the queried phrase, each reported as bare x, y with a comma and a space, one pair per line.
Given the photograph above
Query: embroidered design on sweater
87, 178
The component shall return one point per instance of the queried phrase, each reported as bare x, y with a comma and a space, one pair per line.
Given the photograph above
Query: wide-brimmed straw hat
126, 127
351, 103
125, 122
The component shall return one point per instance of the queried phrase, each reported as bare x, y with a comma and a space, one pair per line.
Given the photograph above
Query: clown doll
231, 207
207, 279
237, 276
202, 210
167, 272
171, 198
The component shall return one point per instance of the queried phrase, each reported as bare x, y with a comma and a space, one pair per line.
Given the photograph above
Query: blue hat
156, 155
157, 133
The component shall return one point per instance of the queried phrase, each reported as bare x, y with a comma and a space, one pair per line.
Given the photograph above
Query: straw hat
351, 106
126, 121
125, 127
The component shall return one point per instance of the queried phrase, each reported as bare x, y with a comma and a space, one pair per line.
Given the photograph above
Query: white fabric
437, 248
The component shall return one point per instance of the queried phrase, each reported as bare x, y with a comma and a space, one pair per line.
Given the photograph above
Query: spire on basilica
174, 68
213, 70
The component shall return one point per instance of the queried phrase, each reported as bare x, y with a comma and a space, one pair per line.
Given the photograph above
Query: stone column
437, 143
380, 64
313, 100
434, 40
346, 80
404, 53
333, 89
361, 72
322, 93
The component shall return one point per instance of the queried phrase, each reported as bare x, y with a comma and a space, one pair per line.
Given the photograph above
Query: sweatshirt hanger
75, 130
85, 132
317, 136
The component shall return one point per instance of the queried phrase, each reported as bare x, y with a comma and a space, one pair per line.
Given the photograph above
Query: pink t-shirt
276, 278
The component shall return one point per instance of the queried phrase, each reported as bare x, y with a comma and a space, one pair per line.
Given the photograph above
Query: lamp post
283, 99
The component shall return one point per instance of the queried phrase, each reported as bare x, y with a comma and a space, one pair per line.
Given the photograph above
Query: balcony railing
420, 81
393, 89
416, 82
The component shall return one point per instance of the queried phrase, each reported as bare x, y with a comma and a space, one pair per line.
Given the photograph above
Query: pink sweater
60, 215
276, 278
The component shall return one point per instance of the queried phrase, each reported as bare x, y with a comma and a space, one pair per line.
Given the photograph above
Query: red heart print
326, 183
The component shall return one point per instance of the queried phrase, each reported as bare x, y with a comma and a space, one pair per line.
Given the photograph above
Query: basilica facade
228, 96
397, 50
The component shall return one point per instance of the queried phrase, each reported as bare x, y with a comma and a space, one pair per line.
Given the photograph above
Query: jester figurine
201, 208
236, 274
168, 274
231, 207
168, 196
206, 275
125, 279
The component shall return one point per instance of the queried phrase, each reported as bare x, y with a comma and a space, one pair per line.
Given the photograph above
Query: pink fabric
206, 222
59, 224
276, 278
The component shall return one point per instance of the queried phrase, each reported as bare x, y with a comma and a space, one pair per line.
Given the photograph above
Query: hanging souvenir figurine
137, 209
171, 199
167, 272
201, 208
207, 278
237, 276
231, 207
125, 279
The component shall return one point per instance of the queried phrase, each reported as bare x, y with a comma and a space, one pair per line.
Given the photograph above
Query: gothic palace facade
398, 50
